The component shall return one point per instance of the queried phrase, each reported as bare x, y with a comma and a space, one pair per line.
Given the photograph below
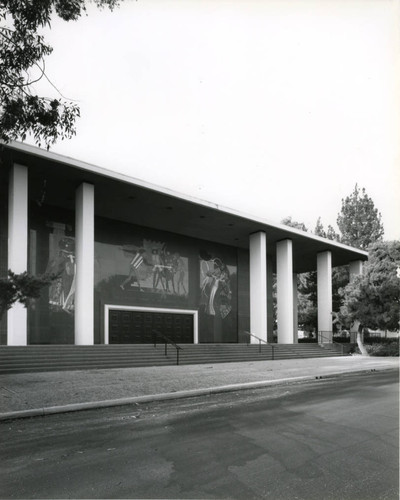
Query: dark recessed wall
196, 275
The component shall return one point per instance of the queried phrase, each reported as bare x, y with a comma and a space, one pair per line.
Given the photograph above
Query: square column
284, 285
17, 248
324, 296
270, 300
258, 286
355, 268
84, 248
295, 310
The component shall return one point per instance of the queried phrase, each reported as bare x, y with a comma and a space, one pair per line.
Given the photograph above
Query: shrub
378, 340
390, 348
21, 288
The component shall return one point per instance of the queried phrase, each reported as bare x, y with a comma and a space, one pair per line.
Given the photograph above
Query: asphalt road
327, 439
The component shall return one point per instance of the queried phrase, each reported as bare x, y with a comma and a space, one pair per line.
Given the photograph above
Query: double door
138, 327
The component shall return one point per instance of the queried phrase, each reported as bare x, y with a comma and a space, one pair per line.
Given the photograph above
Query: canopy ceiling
135, 201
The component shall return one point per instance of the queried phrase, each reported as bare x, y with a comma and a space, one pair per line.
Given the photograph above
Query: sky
273, 108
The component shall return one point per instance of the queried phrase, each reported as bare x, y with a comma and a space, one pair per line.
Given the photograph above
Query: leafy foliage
287, 221
21, 288
373, 298
306, 306
330, 234
307, 285
381, 349
360, 226
22, 55
359, 221
307, 282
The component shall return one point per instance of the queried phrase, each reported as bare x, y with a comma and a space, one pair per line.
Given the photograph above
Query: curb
51, 410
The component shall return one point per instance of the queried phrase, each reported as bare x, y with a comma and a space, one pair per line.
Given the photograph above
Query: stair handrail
259, 341
167, 341
330, 340
276, 346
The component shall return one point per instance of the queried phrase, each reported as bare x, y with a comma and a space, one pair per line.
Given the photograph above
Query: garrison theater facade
132, 258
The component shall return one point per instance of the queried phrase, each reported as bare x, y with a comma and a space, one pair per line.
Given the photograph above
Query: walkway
30, 394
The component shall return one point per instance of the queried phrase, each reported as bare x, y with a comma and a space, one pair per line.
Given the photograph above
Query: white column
295, 310
324, 295
355, 268
17, 248
270, 300
84, 248
258, 286
284, 284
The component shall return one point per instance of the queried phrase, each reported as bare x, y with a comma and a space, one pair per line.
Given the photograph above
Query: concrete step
19, 359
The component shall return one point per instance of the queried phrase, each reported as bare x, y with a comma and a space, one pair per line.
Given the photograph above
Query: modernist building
132, 258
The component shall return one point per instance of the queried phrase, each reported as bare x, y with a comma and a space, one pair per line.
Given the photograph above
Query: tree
306, 306
372, 298
287, 221
22, 63
306, 310
359, 221
307, 284
319, 228
330, 234
360, 226
21, 288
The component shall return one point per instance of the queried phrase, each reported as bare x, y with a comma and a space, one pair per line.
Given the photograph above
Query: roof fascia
101, 171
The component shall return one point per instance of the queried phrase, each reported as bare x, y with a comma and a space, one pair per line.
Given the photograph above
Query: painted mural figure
62, 290
216, 291
225, 292
168, 271
157, 269
179, 267
134, 265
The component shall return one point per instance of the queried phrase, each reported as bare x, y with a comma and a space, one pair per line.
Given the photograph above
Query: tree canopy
307, 284
373, 298
21, 288
23, 51
359, 221
288, 221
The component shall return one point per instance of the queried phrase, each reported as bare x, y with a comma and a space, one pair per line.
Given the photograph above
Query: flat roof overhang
127, 199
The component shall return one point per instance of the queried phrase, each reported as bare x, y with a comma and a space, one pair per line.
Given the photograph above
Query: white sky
274, 108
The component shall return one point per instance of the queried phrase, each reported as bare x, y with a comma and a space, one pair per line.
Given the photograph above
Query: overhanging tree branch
21, 49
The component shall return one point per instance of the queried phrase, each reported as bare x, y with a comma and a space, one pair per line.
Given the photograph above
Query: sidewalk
30, 394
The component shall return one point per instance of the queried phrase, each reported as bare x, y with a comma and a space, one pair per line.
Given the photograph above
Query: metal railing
329, 339
259, 342
166, 341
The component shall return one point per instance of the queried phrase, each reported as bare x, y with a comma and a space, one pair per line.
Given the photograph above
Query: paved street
326, 439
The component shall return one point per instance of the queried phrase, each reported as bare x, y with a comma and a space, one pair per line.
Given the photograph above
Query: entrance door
137, 327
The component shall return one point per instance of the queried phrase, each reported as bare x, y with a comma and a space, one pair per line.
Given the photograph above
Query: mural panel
62, 263
52, 250
150, 268
142, 267
133, 266
218, 298
154, 268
